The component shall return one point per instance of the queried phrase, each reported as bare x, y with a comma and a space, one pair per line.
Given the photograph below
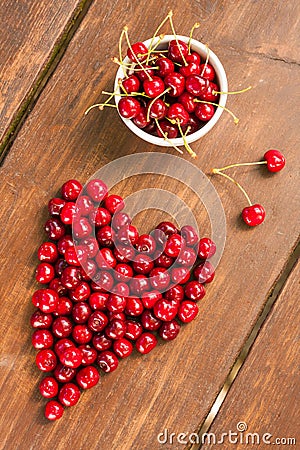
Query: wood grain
175, 385
29, 32
265, 394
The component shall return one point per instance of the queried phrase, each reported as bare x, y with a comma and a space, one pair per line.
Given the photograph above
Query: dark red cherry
142, 264
154, 87
167, 228
100, 217
69, 394
165, 66
71, 189
209, 94
139, 284
84, 205
48, 252
140, 120
150, 298
165, 310
145, 74
138, 52
87, 377
204, 272
178, 113
207, 248
48, 387
187, 311
107, 361
97, 190
180, 275
193, 124
177, 48
196, 85
89, 354
55, 229
53, 410
55, 206
176, 82
190, 235
174, 245
158, 109
131, 84
105, 236
194, 290
145, 343
204, 111
114, 203
207, 71
122, 347
159, 278
193, 57
133, 329
253, 215
81, 227
170, 130
191, 69
129, 107
187, 101
169, 330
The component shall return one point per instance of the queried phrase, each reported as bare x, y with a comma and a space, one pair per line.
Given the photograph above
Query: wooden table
55, 61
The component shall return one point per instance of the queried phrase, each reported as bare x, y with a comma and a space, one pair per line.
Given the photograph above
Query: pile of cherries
170, 86
109, 290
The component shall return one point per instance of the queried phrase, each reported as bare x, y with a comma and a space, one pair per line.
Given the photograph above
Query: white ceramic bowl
221, 80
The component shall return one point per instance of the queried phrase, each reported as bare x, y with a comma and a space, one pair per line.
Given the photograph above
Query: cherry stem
152, 50
129, 67
242, 164
206, 60
156, 31
132, 94
218, 172
176, 39
100, 106
166, 137
129, 45
196, 25
232, 92
120, 52
152, 101
122, 87
235, 119
188, 148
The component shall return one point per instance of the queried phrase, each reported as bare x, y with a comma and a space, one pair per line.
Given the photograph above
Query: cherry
189, 235
89, 354
45, 299
150, 298
253, 215
101, 342
71, 189
69, 394
131, 84
44, 273
42, 339
55, 206
157, 109
176, 82
275, 160
62, 327
48, 387
46, 360
55, 229
149, 321
133, 330
68, 213
194, 290
207, 248
142, 264
196, 85
64, 374
187, 101
62, 345
134, 306
81, 334
174, 245
165, 66
128, 235
165, 310
145, 343
180, 275
123, 272
204, 272
64, 243
115, 303
115, 329
209, 94
53, 410
60, 265
146, 74
97, 190
81, 312
48, 252
141, 120
177, 49
160, 278
71, 357
84, 205
82, 227
178, 113
114, 203
100, 217
122, 348
154, 87
105, 258
64, 307
120, 220
167, 228
164, 261
193, 57
191, 69
204, 111
137, 52
41, 320
104, 281
175, 293
187, 311
169, 330
107, 361
105, 236
56, 286
87, 377
129, 107
170, 130
192, 125
207, 71
71, 277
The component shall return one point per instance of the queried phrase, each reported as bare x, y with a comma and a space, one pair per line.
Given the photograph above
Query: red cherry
204, 111
41, 320
194, 57
89, 354
173, 246
138, 52
177, 112
123, 272
107, 361
145, 343
42, 339
165, 66
146, 73
97, 190
207, 248
194, 290
154, 87
44, 273
275, 160
71, 189
131, 84
146, 244
196, 85
45, 299
190, 235
207, 71
101, 342
71, 277
47, 252
129, 107
100, 217
64, 374
64, 243
115, 303
55, 206
64, 307
139, 284
120, 220
170, 130
82, 227
187, 101
176, 82
69, 394
134, 306
62, 327
48, 387
165, 310
114, 203
87, 377
68, 213
158, 109
175, 293
84, 205
142, 264
140, 120
191, 69
122, 347
169, 330
62, 345
159, 278
133, 330
115, 329
208, 94
82, 334
150, 298
46, 360
71, 357
187, 311
128, 235
253, 215
193, 124
180, 275
164, 261
204, 272
98, 300
55, 229
53, 410
177, 49
149, 321
167, 228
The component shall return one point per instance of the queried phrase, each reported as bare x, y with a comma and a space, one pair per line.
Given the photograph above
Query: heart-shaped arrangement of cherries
109, 290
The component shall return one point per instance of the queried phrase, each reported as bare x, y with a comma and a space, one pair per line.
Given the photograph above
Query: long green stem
242, 164
235, 119
196, 25
233, 92
217, 171
186, 144
176, 39
155, 33
138, 62
120, 51
152, 101
166, 137
206, 60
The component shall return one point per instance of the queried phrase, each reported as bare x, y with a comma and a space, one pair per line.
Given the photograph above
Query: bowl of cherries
170, 90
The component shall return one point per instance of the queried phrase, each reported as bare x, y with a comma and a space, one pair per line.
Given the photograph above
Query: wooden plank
175, 385
265, 394
30, 31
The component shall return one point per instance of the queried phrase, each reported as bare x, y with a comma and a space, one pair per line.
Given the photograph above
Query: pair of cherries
108, 290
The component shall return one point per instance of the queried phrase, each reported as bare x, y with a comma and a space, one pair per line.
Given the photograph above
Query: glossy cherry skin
209, 94
154, 87
53, 410
115, 329
69, 394
80, 293
176, 82
100, 217
48, 387
175, 293
81, 334
196, 85
134, 306
87, 377
169, 130
42, 339
46, 360
105, 259
97, 300
165, 66
187, 311
133, 330
71, 189
96, 190
178, 113
164, 261
82, 227
127, 235
131, 84
253, 215
45, 299
146, 73
137, 52
68, 213
62, 345
150, 298
71, 277
71, 357
62, 327
41, 320
64, 307
186, 257
204, 111
105, 236
169, 330
55, 229
174, 245
207, 248
177, 49
89, 355
190, 235
122, 348
159, 278
107, 361
191, 69
158, 109
275, 160
187, 101
193, 125
142, 264
193, 57
104, 282
207, 71
84, 205
56, 286
204, 272
97, 321
140, 120
194, 290
114, 203
44, 273
165, 310
149, 321
145, 343
180, 275
116, 303
167, 228
55, 206
81, 312
48, 252
64, 243
101, 342
64, 374
129, 107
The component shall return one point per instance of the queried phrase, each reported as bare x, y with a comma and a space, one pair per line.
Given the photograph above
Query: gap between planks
37, 88
274, 293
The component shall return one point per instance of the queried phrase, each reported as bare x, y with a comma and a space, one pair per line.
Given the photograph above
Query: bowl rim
223, 84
